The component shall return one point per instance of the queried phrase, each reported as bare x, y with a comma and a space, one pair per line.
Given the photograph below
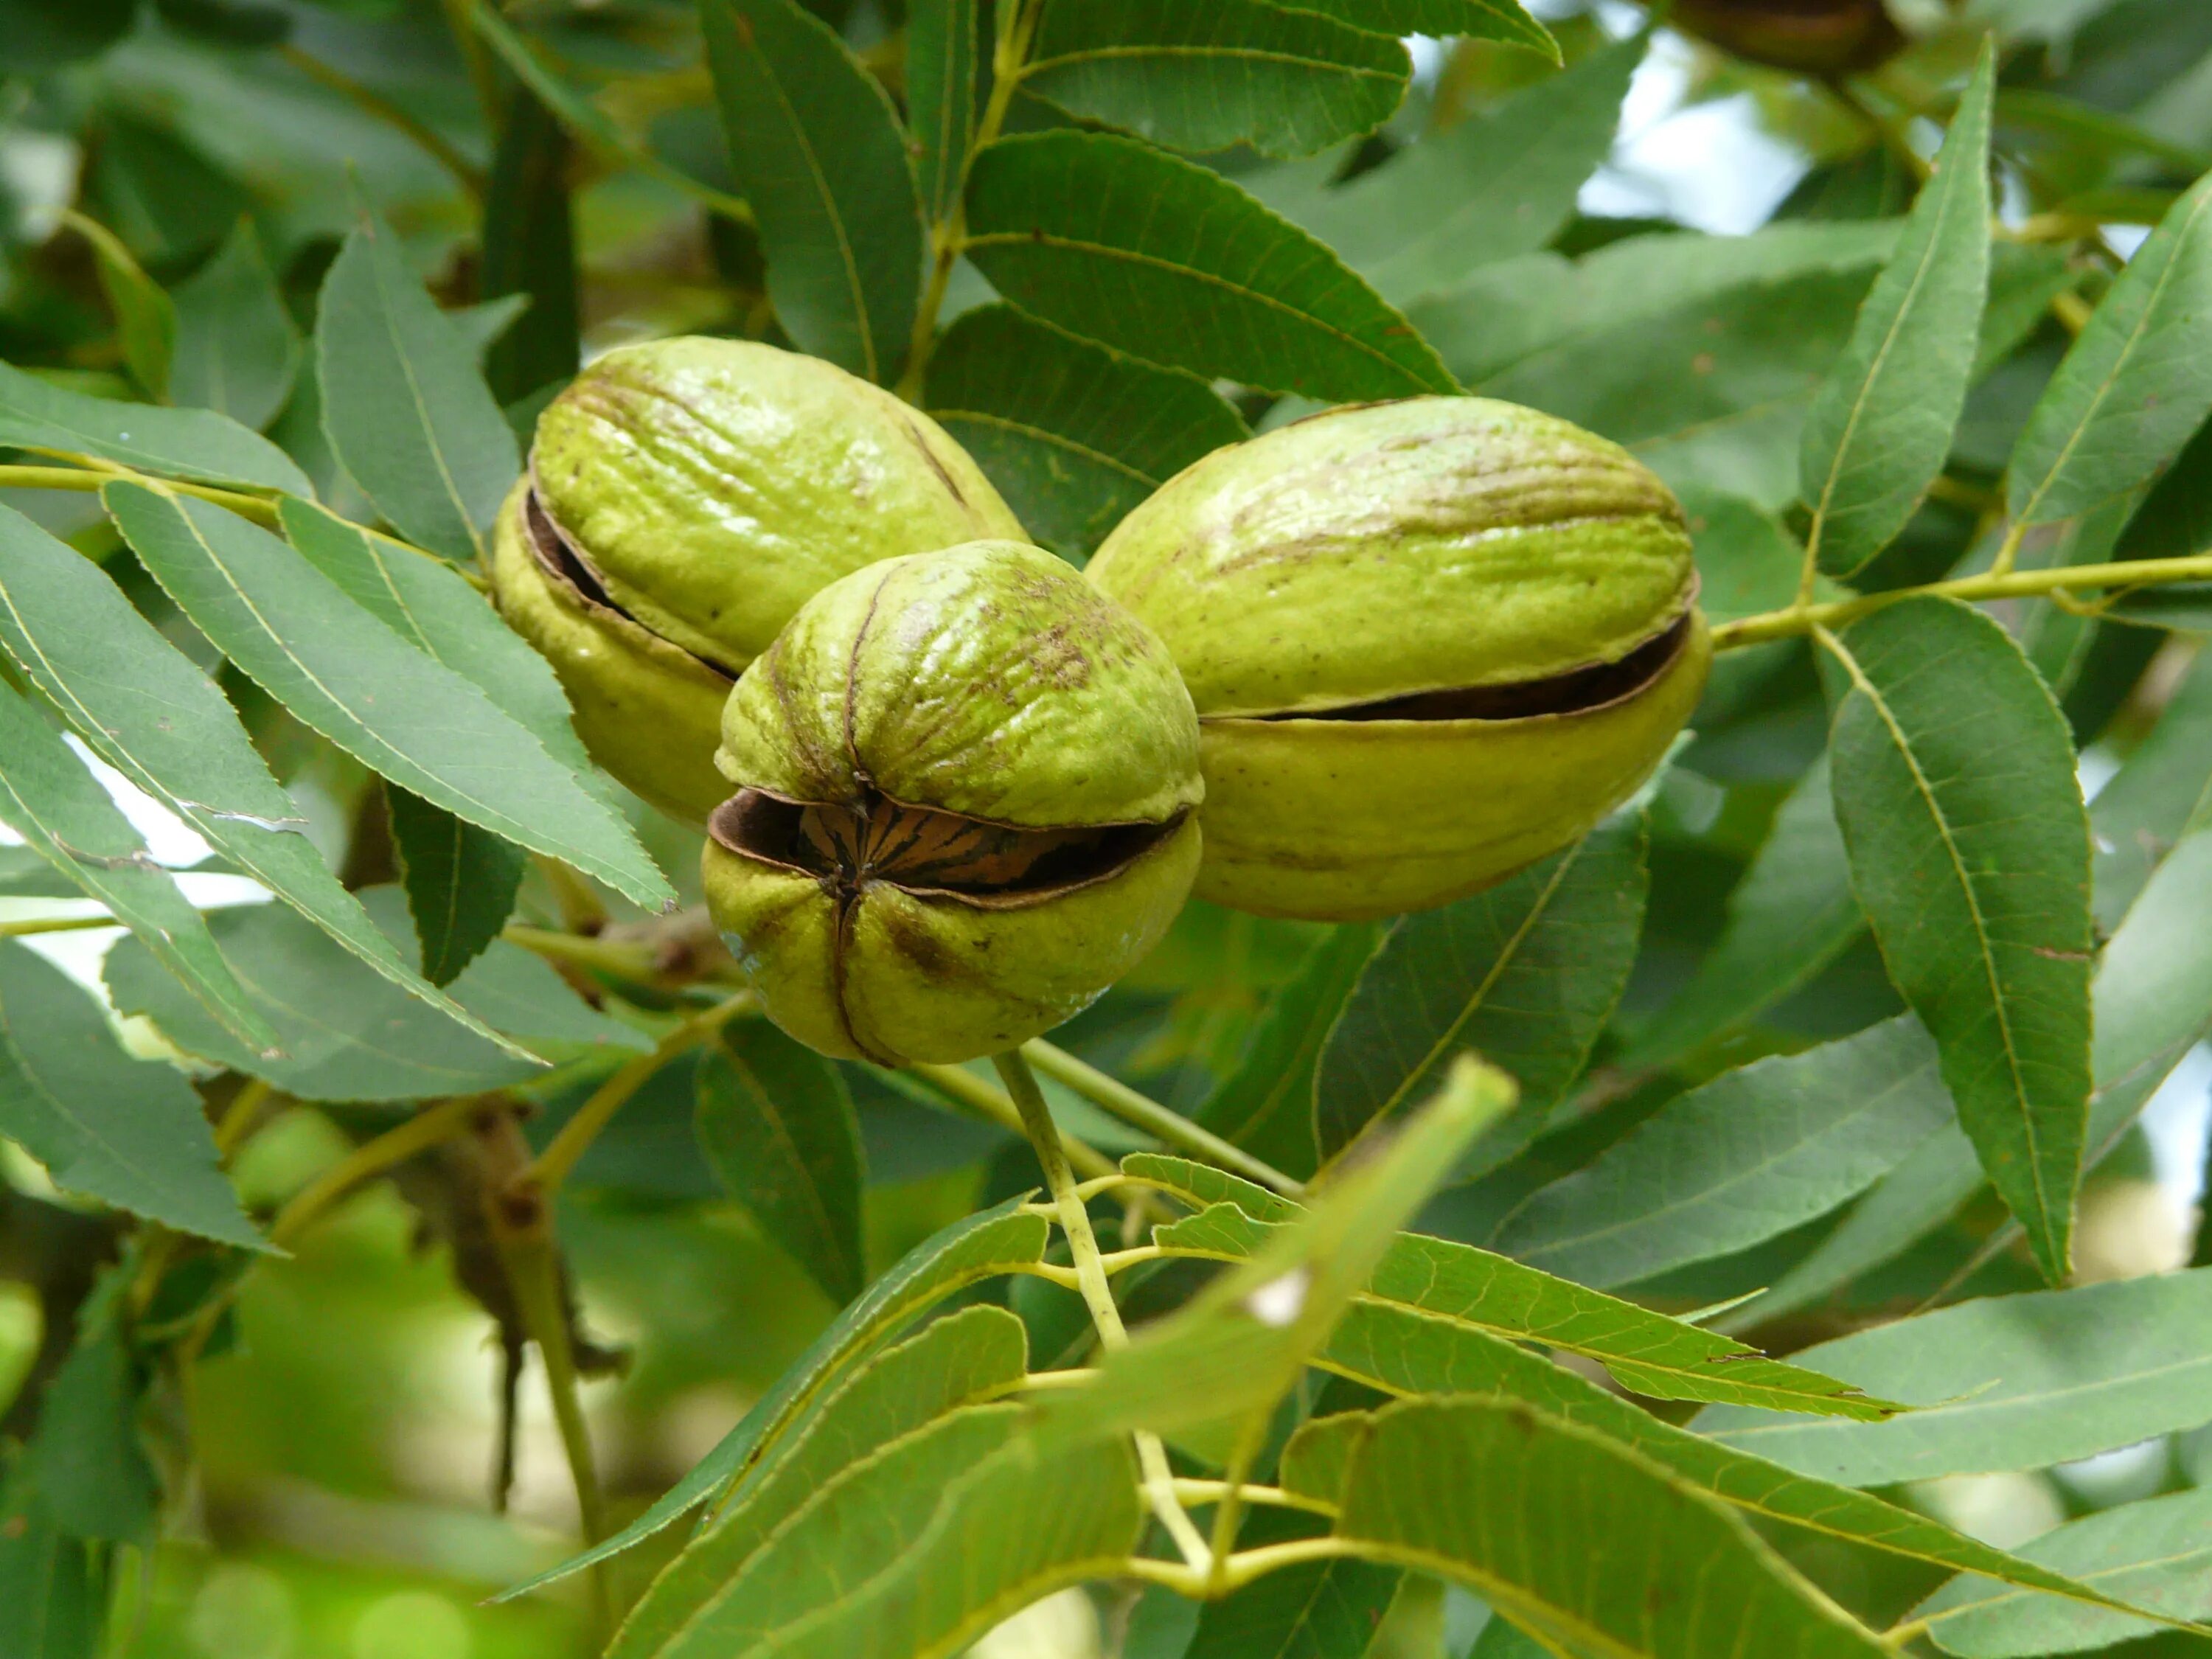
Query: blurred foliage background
347, 1445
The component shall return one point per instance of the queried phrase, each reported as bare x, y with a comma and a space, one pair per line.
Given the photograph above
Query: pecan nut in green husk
1429, 642
966, 785
683, 498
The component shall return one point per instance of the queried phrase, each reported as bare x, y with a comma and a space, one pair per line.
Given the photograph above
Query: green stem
552, 1166
963, 1089
426, 1129
1141, 1111
261, 511
1098, 1294
949, 235
374, 104
36, 925
1991, 585
533, 1272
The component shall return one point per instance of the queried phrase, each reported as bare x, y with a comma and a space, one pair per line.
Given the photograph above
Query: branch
1995, 585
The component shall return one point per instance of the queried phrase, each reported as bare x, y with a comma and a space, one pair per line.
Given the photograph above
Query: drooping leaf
1510, 1501
346, 1035
86, 1455
530, 249
147, 711
1880, 427
2007, 1382
1000, 1240
1953, 781
404, 408
1402, 1352
1165, 260
1792, 915
2134, 385
1489, 189
41, 37
1513, 309
1073, 435
775, 1121
1204, 78
175, 443
237, 350
1265, 1105
1752, 1154
54, 1585
963, 1359
819, 153
1526, 973
145, 316
941, 57
1477, 1290
1235, 1349
1485, 20
2155, 1551
48, 798
351, 678
968, 1520
435, 610
1712, 392
127, 1132
460, 882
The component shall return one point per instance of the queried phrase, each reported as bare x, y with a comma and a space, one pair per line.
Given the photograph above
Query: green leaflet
48, 798
940, 95
1713, 391
1953, 781
966, 1521
55, 1586
148, 712
821, 156
1486, 20
1489, 189
962, 1359
1526, 973
1403, 1351
1508, 1501
175, 443
1265, 1105
352, 678
2156, 1552
1165, 260
999, 1240
345, 1034
1236, 1349
1072, 434
460, 882
1646, 1352
237, 350
130, 1133
2007, 1382
1750, 1155
2134, 385
776, 1122
1880, 424
405, 411
1791, 915
1203, 78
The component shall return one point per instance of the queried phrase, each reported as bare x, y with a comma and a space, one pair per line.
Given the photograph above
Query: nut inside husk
845, 845
1575, 690
564, 564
